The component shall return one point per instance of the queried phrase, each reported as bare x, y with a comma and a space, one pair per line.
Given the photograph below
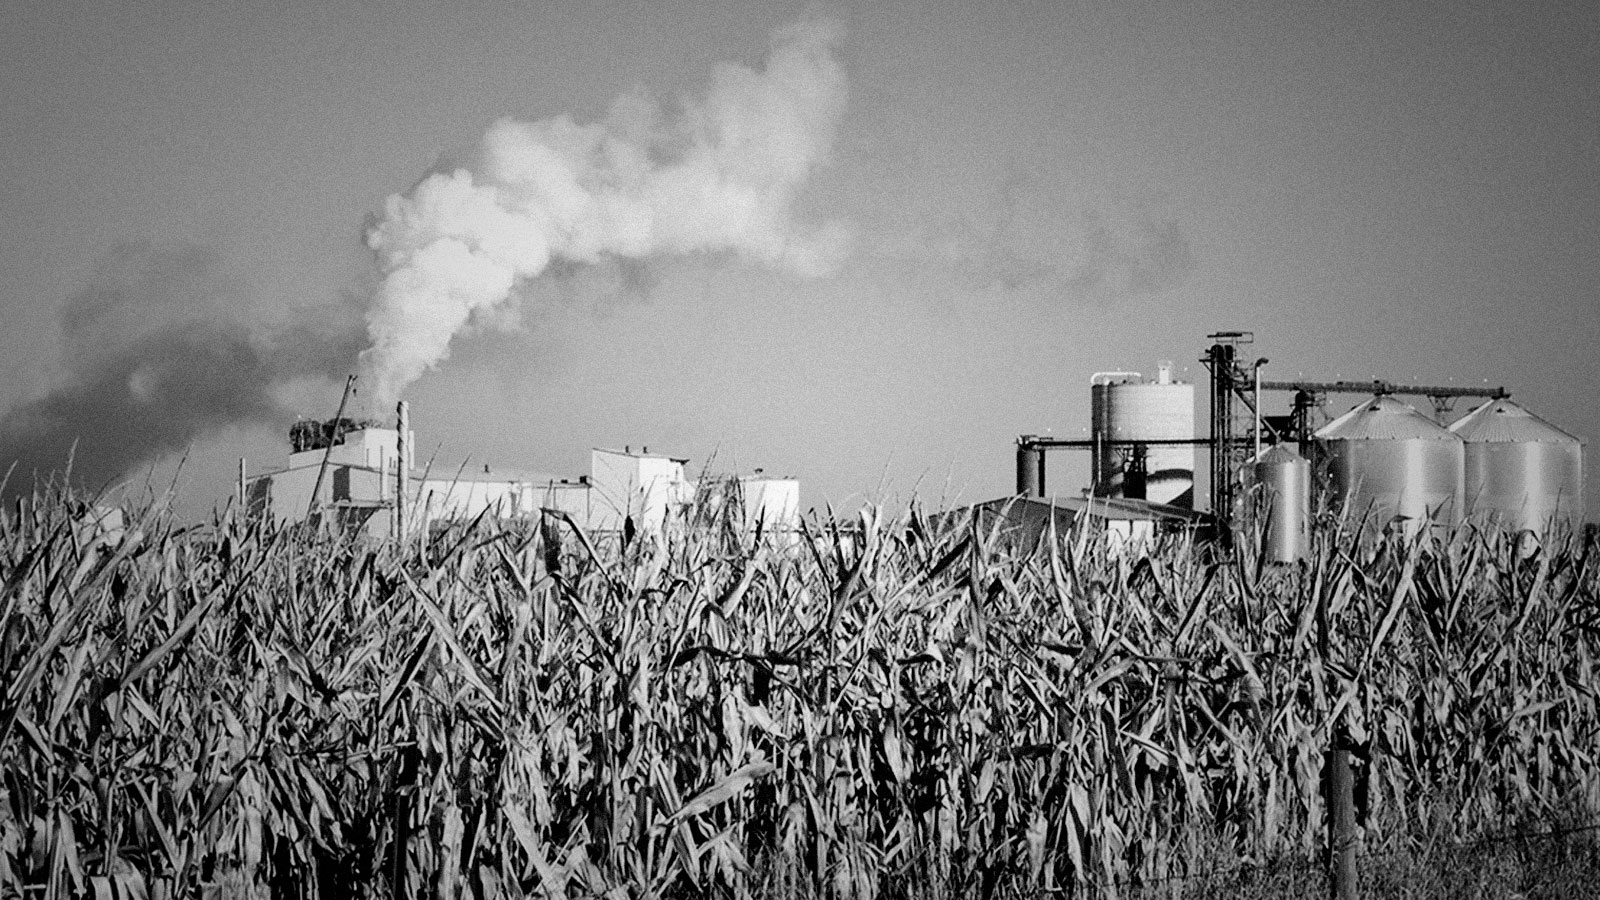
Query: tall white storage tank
1388, 462
1126, 407
1520, 469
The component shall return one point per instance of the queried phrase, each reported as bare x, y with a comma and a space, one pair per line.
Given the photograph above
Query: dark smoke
1154, 258
1090, 262
157, 355
1033, 236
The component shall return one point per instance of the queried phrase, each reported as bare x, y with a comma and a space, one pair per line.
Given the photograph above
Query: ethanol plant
361, 476
1383, 464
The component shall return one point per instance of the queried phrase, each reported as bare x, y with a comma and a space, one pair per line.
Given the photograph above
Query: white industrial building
352, 469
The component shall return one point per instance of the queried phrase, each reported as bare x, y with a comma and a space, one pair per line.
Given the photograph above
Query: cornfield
875, 708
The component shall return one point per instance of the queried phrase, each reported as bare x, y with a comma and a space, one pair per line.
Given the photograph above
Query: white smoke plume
720, 174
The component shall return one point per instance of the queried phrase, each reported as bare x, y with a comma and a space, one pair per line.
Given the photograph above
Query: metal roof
1384, 419
628, 451
484, 474
1502, 421
1118, 508
1279, 454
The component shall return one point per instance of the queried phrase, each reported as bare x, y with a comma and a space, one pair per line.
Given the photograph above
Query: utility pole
402, 472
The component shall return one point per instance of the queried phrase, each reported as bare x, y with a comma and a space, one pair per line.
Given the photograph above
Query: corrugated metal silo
1285, 479
1519, 468
1126, 408
1387, 461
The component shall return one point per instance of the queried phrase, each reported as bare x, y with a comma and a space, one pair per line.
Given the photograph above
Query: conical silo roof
1279, 454
1384, 419
1502, 421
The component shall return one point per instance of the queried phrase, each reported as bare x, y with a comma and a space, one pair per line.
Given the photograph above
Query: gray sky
1036, 191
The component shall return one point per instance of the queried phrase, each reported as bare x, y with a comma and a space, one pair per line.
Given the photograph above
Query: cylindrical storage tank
1285, 480
1126, 407
1030, 469
1520, 469
1388, 463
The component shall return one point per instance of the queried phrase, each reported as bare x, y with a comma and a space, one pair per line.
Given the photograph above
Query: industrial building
362, 476
1023, 521
1380, 466
1383, 465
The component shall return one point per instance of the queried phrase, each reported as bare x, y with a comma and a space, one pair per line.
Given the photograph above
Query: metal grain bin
1389, 464
1285, 480
1520, 469
1130, 409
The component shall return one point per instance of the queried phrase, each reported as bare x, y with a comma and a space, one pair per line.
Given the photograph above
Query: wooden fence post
1341, 819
